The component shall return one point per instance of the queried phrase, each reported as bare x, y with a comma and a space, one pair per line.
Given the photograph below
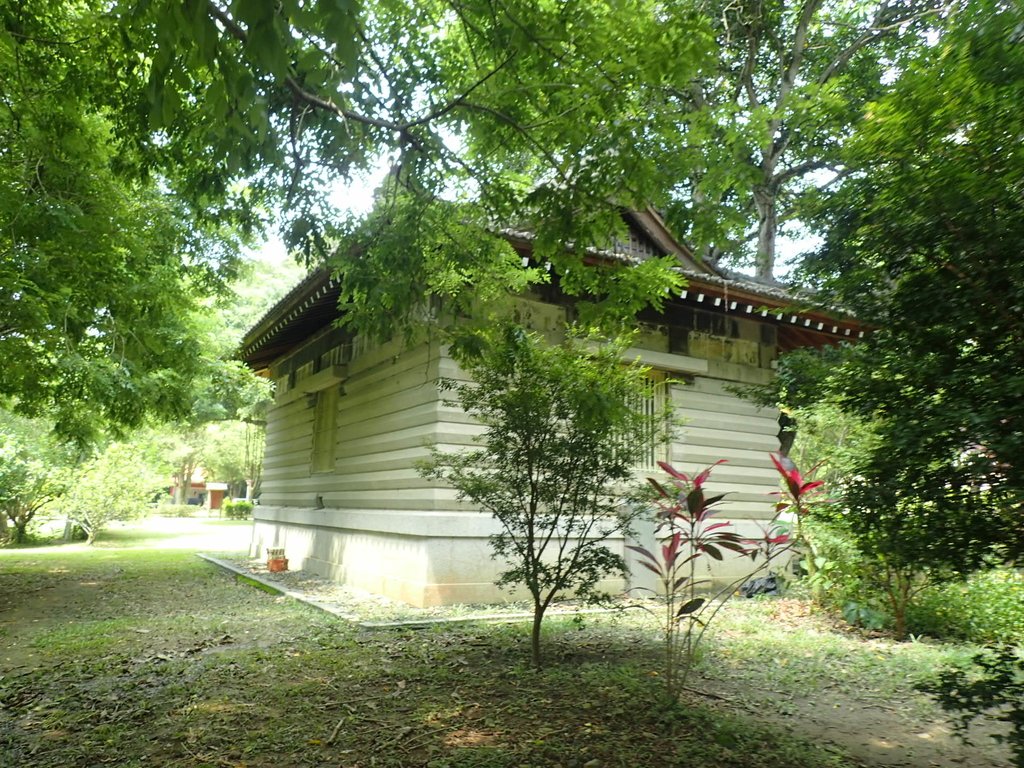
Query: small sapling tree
113, 485
915, 526
689, 531
33, 472
561, 435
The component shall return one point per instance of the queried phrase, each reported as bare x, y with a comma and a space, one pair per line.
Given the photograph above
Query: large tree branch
783, 218
316, 101
789, 73
47, 40
796, 59
516, 126
839, 63
459, 100
798, 170
745, 81
884, 23
235, 30
469, 27
698, 94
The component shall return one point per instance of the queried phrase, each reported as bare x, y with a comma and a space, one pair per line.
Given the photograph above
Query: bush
237, 510
847, 581
986, 607
111, 485
841, 581
177, 510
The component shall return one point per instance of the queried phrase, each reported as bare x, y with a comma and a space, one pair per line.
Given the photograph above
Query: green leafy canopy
926, 245
560, 437
101, 268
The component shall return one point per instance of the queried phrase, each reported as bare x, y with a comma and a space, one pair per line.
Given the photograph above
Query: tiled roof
313, 303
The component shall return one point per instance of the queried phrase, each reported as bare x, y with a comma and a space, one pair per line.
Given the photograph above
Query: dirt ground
890, 732
879, 733
875, 727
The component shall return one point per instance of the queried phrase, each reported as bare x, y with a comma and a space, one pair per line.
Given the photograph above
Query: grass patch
152, 657
795, 664
87, 638
257, 584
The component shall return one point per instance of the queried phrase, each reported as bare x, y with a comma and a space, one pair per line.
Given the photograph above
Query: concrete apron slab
493, 618
273, 586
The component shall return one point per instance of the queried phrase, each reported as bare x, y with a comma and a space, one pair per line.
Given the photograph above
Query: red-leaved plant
800, 492
688, 532
799, 496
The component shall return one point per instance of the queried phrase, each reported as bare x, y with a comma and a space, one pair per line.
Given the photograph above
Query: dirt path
884, 734
890, 724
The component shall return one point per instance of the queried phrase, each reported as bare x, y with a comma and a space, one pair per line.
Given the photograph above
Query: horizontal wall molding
321, 380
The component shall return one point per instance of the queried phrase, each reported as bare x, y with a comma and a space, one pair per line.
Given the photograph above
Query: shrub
237, 510
844, 580
986, 607
561, 435
688, 532
177, 510
835, 577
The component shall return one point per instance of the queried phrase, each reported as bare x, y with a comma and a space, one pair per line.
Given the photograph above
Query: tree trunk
906, 592
255, 444
538, 618
183, 486
898, 585
20, 532
765, 200
787, 433
901, 624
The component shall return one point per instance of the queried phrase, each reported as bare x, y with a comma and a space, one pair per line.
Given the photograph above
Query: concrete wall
375, 524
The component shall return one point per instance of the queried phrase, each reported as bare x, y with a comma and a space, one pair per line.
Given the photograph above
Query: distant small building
215, 493
200, 492
194, 493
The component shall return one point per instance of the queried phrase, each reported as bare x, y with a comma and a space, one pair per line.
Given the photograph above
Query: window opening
324, 437
651, 404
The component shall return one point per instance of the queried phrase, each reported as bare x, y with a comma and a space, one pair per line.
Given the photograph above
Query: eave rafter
313, 303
